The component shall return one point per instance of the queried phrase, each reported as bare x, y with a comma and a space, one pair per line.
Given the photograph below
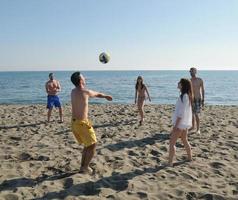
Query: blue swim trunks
53, 100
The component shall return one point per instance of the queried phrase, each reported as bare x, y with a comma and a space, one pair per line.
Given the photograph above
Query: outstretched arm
92, 93
147, 93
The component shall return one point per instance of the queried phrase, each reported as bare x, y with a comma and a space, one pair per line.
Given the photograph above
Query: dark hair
192, 68
137, 82
186, 89
50, 74
75, 78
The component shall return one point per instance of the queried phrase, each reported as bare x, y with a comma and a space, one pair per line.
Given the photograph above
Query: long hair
186, 89
141, 84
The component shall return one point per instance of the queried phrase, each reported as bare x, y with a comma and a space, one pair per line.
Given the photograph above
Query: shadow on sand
158, 137
116, 181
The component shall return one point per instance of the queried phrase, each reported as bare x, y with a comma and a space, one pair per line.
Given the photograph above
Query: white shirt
183, 109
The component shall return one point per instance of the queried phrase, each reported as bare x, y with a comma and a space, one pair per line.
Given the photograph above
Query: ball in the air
104, 58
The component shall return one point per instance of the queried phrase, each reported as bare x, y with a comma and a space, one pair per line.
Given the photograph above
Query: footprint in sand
217, 165
25, 156
11, 197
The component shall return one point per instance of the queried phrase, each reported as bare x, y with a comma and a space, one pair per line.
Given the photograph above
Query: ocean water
221, 87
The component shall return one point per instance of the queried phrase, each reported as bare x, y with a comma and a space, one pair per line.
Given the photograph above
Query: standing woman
140, 96
182, 119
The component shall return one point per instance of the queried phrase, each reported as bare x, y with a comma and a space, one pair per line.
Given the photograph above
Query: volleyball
104, 58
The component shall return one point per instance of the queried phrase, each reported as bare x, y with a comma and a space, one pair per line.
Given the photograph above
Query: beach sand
40, 160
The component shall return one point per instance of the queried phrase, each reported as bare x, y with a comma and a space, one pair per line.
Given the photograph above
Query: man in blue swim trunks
52, 88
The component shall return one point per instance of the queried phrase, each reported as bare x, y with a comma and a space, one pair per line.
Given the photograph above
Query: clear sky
138, 34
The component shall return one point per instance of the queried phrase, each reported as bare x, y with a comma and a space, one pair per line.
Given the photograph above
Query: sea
221, 87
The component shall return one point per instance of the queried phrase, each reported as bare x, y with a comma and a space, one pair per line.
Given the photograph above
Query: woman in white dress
182, 119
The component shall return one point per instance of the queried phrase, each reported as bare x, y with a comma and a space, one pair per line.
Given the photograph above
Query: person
198, 101
81, 126
53, 87
140, 96
182, 119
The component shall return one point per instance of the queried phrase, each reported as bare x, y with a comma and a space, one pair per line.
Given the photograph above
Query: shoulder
73, 91
199, 79
185, 97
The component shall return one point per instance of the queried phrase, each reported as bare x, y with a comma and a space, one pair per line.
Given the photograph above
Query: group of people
184, 119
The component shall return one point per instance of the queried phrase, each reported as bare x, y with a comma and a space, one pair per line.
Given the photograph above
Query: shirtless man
198, 101
52, 87
81, 126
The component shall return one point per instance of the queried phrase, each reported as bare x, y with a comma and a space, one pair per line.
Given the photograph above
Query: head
139, 81
193, 71
51, 76
77, 79
185, 87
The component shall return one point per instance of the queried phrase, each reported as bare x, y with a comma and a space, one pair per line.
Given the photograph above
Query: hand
175, 128
109, 98
203, 103
173, 131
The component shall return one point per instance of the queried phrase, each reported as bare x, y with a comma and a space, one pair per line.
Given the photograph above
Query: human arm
135, 95
181, 108
46, 88
58, 86
203, 92
92, 94
178, 119
147, 93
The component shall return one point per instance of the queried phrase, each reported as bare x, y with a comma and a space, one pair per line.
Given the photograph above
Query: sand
40, 160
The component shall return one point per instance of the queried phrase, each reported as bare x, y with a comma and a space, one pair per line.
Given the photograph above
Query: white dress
183, 109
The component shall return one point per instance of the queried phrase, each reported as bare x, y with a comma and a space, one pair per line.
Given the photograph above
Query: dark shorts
197, 106
53, 100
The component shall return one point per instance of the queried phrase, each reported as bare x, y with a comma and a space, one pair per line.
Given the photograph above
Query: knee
92, 147
171, 145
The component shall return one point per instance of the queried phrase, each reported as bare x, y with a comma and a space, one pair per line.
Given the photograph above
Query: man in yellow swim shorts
81, 126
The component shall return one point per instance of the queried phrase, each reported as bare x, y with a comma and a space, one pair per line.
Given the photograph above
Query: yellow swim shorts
83, 132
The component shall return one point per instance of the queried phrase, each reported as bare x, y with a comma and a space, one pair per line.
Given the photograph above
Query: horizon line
96, 70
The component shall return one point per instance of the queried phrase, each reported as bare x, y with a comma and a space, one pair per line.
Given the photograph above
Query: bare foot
189, 160
87, 170
170, 165
191, 130
167, 164
198, 131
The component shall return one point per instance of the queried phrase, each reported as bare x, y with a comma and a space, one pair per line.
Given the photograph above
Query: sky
138, 34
